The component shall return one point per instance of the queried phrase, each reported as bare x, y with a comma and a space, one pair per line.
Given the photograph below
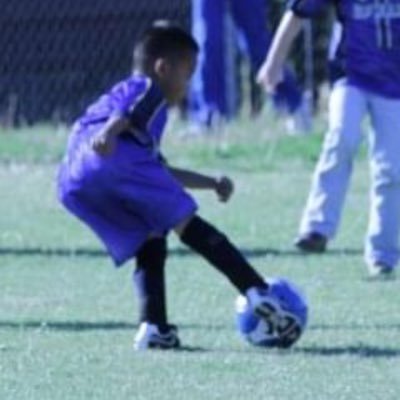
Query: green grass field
67, 317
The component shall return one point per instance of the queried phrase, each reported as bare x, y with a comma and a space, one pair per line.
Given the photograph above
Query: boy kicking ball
114, 179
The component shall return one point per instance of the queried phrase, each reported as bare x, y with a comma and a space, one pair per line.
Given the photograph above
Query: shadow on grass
355, 327
178, 252
360, 350
78, 326
82, 326
192, 349
68, 326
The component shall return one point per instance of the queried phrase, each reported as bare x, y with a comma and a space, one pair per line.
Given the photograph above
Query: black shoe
380, 270
312, 242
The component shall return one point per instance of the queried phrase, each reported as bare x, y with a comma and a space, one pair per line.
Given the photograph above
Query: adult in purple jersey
115, 180
364, 60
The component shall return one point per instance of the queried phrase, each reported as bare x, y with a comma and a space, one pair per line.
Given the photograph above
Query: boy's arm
270, 73
222, 186
134, 111
104, 141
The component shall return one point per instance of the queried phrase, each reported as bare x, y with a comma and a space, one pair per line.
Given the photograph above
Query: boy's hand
103, 143
224, 188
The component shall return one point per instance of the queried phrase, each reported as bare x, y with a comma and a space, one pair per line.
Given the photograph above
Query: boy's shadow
67, 326
81, 326
254, 252
359, 350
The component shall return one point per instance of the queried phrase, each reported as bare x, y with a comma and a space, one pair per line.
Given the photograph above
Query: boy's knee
152, 253
181, 227
199, 233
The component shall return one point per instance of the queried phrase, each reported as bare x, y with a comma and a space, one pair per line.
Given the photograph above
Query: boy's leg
382, 241
149, 281
332, 174
216, 248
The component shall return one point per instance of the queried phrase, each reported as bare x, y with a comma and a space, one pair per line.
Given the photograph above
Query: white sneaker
264, 305
380, 270
149, 336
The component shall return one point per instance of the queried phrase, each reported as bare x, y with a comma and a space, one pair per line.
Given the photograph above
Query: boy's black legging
202, 237
216, 248
149, 281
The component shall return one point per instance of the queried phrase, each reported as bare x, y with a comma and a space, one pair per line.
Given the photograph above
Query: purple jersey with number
368, 49
129, 195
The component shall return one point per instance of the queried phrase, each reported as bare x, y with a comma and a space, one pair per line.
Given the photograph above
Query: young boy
365, 74
114, 179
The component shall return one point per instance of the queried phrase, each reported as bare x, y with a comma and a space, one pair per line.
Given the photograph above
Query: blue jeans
347, 108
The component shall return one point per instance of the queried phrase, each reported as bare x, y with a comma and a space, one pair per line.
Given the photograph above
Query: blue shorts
125, 197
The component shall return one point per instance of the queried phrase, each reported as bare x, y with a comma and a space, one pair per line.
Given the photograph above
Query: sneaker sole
164, 346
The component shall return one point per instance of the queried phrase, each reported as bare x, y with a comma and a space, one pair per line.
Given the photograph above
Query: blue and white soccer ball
292, 322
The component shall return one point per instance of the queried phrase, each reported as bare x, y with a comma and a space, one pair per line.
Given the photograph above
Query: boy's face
174, 76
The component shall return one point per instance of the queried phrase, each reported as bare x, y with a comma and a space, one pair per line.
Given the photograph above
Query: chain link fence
57, 55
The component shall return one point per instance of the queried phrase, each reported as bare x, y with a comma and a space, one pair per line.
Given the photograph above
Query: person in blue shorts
115, 179
364, 63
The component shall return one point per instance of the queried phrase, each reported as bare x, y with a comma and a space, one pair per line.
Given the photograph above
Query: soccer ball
292, 323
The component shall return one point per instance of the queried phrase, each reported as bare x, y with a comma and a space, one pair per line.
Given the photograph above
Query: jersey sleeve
141, 104
307, 8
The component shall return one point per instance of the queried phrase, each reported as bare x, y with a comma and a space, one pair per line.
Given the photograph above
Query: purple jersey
137, 98
129, 195
368, 50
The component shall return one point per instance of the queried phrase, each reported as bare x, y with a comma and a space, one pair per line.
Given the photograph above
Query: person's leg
149, 283
331, 177
251, 18
216, 248
207, 94
382, 240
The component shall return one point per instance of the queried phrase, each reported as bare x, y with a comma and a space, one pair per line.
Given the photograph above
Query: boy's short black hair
163, 39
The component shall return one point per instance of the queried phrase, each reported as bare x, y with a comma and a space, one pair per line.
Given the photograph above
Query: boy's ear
161, 66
